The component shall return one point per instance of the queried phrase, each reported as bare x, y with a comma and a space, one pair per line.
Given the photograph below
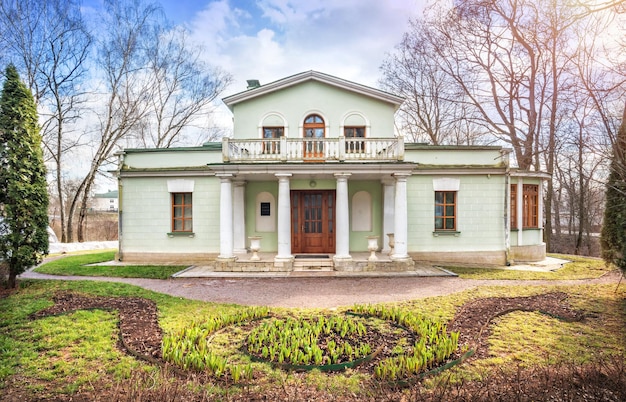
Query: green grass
578, 268
79, 265
60, 355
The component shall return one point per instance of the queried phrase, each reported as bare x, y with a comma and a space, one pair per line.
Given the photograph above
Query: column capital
239, 183
401, 176
283, 176
388, 181
224, 176
344, 176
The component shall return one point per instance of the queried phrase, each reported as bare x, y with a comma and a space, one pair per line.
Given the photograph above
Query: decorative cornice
232, 100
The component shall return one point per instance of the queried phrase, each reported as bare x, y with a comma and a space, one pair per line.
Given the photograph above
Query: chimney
253, 84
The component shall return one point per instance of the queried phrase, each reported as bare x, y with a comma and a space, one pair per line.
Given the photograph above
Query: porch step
313, 264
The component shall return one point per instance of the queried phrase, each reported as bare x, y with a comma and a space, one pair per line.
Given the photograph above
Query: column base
343, 263
283, 263
400, 258
226, 259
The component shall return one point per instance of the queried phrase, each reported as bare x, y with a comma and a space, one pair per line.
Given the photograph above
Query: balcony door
314, 133
312, 222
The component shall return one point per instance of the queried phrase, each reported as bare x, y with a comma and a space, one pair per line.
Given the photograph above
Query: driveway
321, 292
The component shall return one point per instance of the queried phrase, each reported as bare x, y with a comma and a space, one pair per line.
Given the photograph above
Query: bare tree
25, 38
182, 91
52, 44
154, 86
121, 60
433, 110
64, 70
512, 65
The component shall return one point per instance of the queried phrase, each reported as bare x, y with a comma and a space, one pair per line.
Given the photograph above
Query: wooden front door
312, 221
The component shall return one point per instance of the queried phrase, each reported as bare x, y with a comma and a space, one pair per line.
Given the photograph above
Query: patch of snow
56, 248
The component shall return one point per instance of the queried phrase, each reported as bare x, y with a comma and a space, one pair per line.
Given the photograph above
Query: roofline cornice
313, 76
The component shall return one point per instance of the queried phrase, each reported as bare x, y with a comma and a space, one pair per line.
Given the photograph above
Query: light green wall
171, 158
480, 206
447, 156
146, 216
296, 102
269, 241
358, 241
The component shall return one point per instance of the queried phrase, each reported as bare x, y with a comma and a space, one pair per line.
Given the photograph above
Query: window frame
313, 146
187, 201
513, 202
444, 217
272, 147
357, 146
530, 206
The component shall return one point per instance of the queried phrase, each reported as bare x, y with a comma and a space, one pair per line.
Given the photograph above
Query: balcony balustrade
339, 149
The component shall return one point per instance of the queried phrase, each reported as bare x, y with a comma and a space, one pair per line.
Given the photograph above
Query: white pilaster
540, 206
400, 219
226, 216
520, 211
342, 224
239, 218
284, 217
388, 208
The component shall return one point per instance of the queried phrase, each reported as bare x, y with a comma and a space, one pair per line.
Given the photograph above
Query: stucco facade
314, 171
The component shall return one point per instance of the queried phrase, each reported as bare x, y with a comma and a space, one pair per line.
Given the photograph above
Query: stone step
313, 264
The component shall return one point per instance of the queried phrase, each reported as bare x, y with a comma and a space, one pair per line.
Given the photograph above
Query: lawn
578, 268
76, 355
81, 265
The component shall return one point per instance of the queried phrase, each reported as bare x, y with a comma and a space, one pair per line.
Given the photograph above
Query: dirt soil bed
141, 335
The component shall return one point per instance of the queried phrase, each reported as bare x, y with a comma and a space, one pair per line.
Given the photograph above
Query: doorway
312, 221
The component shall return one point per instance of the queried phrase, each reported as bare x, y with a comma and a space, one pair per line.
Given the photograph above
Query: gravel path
322, 292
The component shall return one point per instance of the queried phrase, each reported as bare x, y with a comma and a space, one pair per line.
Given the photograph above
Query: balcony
339, 149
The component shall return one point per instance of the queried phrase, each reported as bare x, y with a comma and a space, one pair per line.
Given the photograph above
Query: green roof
109, 194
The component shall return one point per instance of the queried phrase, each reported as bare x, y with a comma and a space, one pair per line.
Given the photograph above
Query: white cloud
277, 38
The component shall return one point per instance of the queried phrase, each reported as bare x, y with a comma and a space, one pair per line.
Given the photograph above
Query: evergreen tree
613, 237
23, 189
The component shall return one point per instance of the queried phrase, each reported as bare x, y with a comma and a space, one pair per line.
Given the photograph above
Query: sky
271, 39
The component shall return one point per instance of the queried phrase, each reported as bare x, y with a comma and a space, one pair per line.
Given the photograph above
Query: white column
520, 211
342, 219
239, 217
400, 219
388, 208
226, 216
540, 212
284, 217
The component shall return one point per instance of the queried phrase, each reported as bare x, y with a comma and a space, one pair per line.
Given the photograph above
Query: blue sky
271, 39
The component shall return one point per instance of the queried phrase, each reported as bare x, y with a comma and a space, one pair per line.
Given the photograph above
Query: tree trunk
581, 196
12, 281
72, 212
82, 214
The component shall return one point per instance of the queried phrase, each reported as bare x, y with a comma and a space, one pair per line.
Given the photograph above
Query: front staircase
313, 264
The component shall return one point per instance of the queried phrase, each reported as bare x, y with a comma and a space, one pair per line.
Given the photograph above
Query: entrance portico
312, 220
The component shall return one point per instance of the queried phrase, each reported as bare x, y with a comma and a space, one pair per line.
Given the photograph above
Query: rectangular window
445, 210
181, 212
514, 206
353, 146
531, 206
272, 147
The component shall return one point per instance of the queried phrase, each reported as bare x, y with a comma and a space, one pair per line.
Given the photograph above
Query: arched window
314, 126
314, 131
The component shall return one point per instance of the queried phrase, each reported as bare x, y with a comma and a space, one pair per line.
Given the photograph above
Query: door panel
312, 221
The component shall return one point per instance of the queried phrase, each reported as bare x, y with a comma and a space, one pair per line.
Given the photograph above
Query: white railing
313, 149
